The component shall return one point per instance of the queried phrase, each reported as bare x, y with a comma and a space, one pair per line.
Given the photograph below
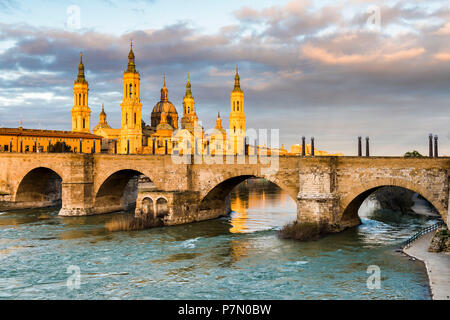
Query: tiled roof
46, 133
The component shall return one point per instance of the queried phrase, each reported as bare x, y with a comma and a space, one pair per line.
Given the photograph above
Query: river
235, 257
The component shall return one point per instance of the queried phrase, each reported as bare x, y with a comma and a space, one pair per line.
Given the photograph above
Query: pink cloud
327, 57
443, 56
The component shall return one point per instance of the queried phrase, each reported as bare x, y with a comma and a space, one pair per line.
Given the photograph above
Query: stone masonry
328, 189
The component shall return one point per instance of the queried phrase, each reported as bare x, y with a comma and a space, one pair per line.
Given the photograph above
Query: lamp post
359, 147
367, 147
303, 146
436, 153
430, 145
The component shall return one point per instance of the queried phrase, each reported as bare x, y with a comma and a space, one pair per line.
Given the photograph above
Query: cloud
444, 56
306, 69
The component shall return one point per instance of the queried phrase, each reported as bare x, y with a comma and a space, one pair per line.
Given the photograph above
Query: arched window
135, 118
161, 207
147, 207
234, 129
84, 123
84, 99
126, 118
79, 99
189, 109
131, 90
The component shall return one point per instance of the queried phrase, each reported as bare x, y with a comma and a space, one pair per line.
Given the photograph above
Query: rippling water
237, 257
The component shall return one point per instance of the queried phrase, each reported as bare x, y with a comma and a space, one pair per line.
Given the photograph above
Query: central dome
164, 106
169, 109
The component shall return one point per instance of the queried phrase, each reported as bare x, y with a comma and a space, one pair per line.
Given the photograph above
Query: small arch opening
162, 208
148, 206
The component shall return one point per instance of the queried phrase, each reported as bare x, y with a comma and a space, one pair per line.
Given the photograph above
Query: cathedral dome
169, 109
164, 106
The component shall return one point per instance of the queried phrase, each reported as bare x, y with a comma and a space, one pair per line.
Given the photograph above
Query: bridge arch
39, 187
115, 193
352, 201
215, 197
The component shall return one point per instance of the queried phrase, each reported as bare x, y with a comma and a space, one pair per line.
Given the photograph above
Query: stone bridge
329, 189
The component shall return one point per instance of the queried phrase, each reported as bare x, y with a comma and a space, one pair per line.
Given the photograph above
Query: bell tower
237, 118
81, 113
190, 118
130, 140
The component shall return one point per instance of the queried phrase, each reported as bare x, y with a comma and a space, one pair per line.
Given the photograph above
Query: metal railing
420, 233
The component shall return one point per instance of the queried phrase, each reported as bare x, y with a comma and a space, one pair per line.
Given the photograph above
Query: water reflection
258, 204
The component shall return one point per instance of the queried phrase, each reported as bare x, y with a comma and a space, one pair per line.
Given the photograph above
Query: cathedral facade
163, 135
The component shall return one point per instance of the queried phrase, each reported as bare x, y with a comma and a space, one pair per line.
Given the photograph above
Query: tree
58, 147
413, 154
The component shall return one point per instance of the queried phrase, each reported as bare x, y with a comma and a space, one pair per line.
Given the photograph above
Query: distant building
296, 149
32, 140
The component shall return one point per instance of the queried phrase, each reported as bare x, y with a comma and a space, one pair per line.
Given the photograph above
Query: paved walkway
438, 266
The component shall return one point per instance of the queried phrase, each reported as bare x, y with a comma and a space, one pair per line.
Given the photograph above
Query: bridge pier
178, 207
318, 200
77, 199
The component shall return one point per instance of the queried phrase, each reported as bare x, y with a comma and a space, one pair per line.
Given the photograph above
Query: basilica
163, 135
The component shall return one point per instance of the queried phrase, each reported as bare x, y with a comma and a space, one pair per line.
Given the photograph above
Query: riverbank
437, 265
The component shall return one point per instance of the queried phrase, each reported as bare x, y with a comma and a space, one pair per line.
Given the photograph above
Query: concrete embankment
437, 264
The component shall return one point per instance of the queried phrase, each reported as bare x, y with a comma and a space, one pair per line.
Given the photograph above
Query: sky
334, 70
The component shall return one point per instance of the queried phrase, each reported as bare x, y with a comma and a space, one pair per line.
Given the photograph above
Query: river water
235, 257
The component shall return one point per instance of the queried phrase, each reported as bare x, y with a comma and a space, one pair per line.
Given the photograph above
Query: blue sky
313, 68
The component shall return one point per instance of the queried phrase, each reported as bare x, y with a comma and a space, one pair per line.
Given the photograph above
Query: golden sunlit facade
81, 114
237, 118
34, 140
163, 136
130, 139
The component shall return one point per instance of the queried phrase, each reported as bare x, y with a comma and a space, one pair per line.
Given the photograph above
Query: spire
188, 89
102, 123
103, 115
164, 91
237, 85
218, 121
131, 68
80, 77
